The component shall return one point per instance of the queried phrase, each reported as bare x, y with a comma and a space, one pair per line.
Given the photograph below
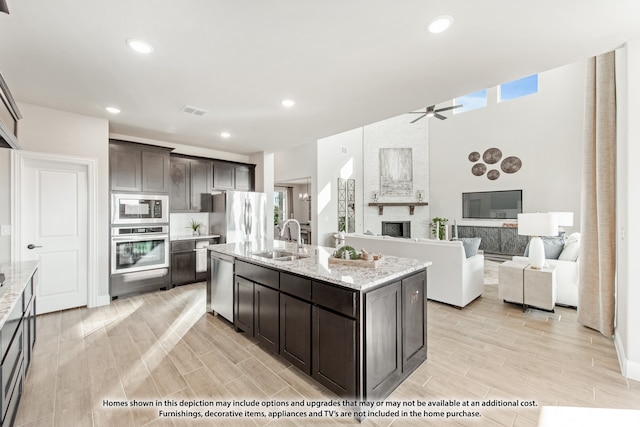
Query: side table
519, 283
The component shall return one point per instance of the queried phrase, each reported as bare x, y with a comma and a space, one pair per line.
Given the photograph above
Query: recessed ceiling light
139, 46
440, 24
112, 110
225, 134
288, 103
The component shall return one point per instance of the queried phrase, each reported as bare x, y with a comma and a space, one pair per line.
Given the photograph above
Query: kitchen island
360, 331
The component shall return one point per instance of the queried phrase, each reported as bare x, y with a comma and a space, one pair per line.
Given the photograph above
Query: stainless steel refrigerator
238, 216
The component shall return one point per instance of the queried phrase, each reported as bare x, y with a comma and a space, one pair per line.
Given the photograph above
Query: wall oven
139, 209
139, 248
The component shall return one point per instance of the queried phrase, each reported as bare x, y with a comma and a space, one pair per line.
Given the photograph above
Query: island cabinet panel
243, 305
414, 321
334, 355
267, 316
383, 352
295, 331
258, 274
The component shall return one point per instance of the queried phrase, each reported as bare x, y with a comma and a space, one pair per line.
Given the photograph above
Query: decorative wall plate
479, 169
493, 174
474, 156
511, 164
492, 155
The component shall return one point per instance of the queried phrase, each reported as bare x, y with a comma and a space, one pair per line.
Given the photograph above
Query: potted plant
438, 227
195, 226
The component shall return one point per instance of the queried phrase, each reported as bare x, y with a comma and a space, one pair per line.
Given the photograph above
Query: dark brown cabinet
266, 323
295, 332
243, 305
184, 255
243, 177
17, 338
190, 185
395, 333
224, 177
334, 351
138, 167
231, 176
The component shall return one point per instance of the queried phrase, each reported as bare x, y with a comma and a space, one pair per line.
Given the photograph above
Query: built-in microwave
139, 209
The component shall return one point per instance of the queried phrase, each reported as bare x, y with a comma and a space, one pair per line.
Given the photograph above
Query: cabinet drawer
262, 275
183, 246
295, 285
11, 325
334, 298
11, 367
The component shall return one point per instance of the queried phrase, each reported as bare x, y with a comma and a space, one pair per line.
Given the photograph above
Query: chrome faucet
284, 228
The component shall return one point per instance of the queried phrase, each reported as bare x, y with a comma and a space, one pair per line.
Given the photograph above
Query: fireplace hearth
396, 228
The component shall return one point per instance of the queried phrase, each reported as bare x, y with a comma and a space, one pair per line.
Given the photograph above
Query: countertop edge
295, 267
17, 277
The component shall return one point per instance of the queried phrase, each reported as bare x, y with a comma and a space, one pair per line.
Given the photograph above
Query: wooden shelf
411, 205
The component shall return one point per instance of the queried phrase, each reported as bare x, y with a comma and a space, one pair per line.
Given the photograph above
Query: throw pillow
553, 246
571, 250
470, 244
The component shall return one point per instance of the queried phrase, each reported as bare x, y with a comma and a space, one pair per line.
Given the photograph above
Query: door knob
32, 246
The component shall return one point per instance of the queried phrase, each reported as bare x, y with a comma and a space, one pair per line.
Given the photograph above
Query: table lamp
536, 225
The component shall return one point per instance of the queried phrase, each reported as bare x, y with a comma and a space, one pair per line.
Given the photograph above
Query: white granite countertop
17, 276
191, 237
316, 265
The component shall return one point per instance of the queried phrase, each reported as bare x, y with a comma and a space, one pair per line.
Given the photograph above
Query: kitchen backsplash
179, 223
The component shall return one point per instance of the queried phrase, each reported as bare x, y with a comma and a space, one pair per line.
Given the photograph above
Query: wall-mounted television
492, 204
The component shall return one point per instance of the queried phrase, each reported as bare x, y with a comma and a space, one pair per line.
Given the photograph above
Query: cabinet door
180, 192
383, 338
200, 186
183, 267
223, 176
267, 316
243, 178
125, 168
414, 321
295, 332
155, 171
334, 351
243, 305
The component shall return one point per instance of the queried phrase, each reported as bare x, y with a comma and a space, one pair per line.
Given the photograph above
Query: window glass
517, 88
471, 101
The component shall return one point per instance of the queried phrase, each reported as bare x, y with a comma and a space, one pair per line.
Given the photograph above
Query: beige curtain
596, 304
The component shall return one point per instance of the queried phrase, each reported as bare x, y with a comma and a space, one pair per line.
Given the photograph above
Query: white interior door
53, 228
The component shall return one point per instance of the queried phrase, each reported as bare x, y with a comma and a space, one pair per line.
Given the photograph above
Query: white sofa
566, 279
452, 278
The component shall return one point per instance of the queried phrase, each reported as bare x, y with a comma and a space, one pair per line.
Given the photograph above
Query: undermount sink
278, 255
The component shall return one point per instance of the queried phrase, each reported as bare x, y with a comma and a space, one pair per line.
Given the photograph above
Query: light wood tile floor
162, 345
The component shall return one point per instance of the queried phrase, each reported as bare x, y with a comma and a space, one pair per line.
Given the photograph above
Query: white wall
544, 130
53, 131
5, 203
397, 132
339, 156
297, 163
627, 333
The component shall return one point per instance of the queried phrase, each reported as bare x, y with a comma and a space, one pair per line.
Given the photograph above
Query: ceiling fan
431, 111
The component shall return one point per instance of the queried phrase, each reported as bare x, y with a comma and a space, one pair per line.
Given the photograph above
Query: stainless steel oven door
139, 209
139, 252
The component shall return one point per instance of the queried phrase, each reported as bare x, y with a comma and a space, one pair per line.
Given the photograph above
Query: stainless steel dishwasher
220, 285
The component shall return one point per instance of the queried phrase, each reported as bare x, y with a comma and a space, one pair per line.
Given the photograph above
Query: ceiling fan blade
413, 121
440, 116
448, 108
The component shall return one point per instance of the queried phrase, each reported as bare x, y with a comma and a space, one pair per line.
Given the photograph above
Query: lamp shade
538, 224
565, 219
